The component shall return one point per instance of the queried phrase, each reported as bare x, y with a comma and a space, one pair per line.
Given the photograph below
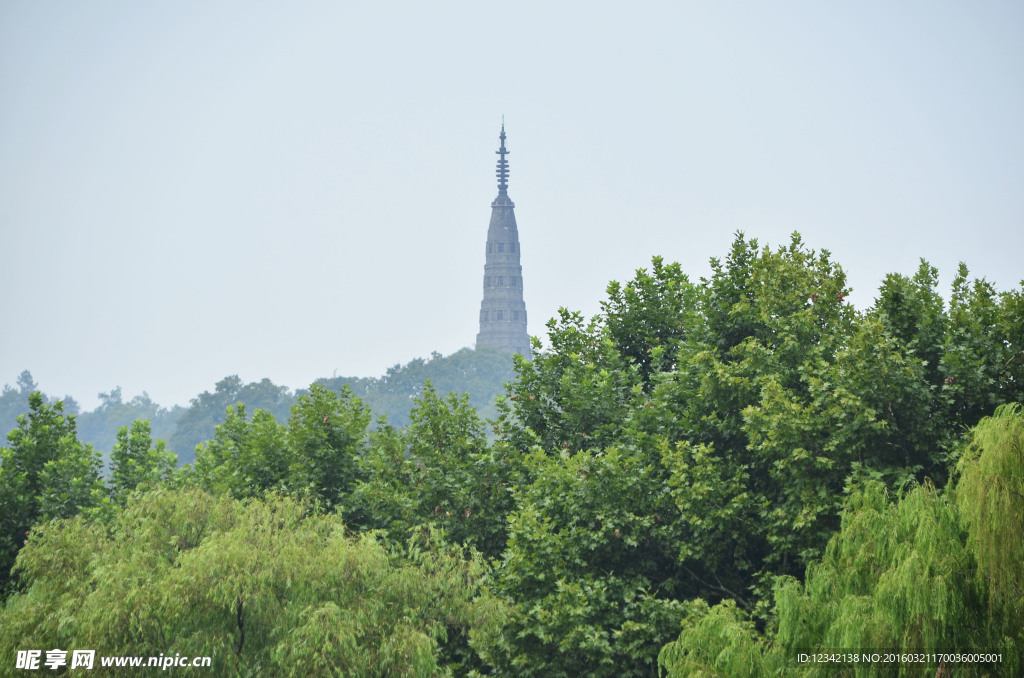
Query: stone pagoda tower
502, 311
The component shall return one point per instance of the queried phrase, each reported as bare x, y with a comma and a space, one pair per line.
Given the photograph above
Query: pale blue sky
195, 189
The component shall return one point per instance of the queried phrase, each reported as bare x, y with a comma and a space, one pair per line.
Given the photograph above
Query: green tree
978, 358
206, 411
574, 396
912, 311
135, 462
991, 503
246, 457
590, 572
750, 404
260, 586
14, 401
45, 473
439, 471
749, 412
327, 432
650, 317
678, 446
316, 454
100, 426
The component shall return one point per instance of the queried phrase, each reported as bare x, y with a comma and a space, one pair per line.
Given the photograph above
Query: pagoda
502, 311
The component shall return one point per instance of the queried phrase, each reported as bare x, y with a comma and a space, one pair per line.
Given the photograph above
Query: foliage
983, 350
327, 433
261, 587
14, 401
198, 422
991, 501
136, 463
649, 318
575, 396
932, 572
720, 641
439, 471
589, 570
972, 355
756, 401
45, 473
100, 426
912, 311
481, 373
892, 579
245, 457
316, 454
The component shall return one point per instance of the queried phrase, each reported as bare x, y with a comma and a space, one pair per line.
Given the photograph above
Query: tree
590, 572
481, 373
990, 501
439, 471
264, 583
316, 454
912, 311
575, 396
750, 404
649, 318
206, 410
136, 463
978, 357
246, 457
14, 401
327, 432
45, 473
100, 426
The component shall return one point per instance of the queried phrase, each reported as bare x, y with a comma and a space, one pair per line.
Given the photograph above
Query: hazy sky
190, 190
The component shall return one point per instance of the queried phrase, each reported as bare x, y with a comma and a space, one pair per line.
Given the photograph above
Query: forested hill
481, 373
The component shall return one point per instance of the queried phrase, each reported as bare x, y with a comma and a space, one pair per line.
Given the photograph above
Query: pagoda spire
502, 310
502, 171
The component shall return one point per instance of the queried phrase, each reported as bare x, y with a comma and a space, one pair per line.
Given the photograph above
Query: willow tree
991, 501
262, 586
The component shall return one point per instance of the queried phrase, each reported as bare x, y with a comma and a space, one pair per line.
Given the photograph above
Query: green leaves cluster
440, 471
46, 474
136, 462
588, 568
315, 454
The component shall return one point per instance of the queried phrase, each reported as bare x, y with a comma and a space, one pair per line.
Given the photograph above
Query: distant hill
481, 373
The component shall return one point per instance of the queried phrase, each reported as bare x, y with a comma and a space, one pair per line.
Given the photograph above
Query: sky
296, 190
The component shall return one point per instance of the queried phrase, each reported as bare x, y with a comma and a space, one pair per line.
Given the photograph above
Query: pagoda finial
502, 172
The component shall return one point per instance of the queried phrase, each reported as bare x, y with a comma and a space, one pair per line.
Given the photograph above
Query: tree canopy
708, 477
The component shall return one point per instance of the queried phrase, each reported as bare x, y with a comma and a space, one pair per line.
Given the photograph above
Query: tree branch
735, 596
